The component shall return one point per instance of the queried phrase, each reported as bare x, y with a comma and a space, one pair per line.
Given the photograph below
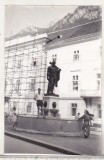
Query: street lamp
50, 40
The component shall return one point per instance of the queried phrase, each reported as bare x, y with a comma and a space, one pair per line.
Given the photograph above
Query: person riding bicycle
91, 116
86, 119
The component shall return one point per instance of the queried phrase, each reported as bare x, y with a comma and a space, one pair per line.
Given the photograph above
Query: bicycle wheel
86, 131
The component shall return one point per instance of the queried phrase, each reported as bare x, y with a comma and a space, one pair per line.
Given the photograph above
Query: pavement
23, 147
64, 145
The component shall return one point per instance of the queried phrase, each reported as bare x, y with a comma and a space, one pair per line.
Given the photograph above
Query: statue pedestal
52, 105
51, 95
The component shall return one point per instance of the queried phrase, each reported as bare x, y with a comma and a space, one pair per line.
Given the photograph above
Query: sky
19, 17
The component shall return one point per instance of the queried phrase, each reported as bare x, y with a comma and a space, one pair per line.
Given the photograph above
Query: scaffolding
25, 72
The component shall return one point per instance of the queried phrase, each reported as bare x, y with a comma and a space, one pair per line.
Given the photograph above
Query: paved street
13, 145
90, 146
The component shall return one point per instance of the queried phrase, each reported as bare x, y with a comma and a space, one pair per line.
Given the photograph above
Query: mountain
82, 15
30, 30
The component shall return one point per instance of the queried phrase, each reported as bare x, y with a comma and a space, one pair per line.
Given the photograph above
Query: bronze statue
53, 76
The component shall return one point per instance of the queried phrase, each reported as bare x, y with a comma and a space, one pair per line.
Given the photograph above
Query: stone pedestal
52, 105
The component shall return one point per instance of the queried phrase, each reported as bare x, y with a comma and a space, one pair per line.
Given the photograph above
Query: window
98, 75
54, 57
6, 83
19, 64
29, 106
99, 110
76, 55
98, 81
100, 50
74, 109
75, 82
32, 86
34, 61
18, 85
98, 84
6, 65
15, 104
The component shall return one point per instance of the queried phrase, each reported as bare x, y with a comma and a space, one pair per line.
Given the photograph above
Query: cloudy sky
19, 17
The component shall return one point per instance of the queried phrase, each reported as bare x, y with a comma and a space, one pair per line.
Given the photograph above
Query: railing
90, 93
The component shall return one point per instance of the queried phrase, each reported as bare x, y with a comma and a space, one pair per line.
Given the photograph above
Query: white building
25, 69
77, 53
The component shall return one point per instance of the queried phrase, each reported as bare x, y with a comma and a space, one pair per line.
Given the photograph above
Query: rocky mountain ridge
81, 15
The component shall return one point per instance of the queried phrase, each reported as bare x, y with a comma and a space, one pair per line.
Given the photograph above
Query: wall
88, 65
48, 125
20, 71
65, 106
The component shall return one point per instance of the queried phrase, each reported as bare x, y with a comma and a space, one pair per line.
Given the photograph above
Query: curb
61, 134
43, 144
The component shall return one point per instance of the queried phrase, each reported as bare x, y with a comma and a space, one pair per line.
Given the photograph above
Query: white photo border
40, 3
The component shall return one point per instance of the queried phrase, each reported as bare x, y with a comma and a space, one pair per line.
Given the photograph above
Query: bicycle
86, 130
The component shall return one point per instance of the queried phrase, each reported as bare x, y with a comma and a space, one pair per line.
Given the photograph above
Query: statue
53, 76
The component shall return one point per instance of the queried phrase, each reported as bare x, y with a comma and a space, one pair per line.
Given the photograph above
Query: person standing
77, 116
39, 101
14, 118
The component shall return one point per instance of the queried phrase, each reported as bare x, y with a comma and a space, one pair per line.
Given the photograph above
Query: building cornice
58, 44
72, 41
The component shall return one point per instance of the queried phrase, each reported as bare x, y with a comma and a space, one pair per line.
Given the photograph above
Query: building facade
80, 80
79, 57
25, 71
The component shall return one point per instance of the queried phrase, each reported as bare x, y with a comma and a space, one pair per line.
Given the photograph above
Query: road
13, 145
90, 146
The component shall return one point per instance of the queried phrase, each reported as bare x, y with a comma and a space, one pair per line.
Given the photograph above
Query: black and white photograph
52, 93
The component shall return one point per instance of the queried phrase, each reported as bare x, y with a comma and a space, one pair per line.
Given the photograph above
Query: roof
73, 35
85, 30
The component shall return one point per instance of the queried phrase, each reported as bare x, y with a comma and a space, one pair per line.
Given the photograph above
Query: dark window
99, 110
76, 55
73, 77
6, 83
74, 109
19, 64
98, 81
98, 75
34, 61
18, 85
75, 82
98, 84
6, 65
54, 57
29, 106
32, 86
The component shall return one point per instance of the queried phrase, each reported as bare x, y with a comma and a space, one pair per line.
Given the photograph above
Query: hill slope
82, 15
